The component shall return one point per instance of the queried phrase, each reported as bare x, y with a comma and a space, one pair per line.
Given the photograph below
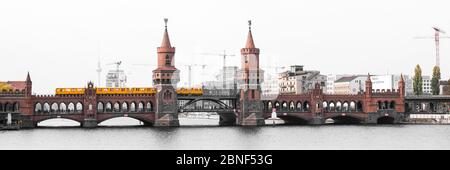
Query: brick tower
26, 106
165, 79
90, 106
250, 78
370, 106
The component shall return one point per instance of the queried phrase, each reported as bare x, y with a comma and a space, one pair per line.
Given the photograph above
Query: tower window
167, 60
253, 94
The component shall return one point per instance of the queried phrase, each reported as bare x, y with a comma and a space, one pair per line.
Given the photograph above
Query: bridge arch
325, 105
269, 105
149, 106
133, 107
284, 106
62, 107
56, 118
294, 120
338, 106
16, 107
332, 106
392, 105
71, 107
38, 108
10, 107
345, 106
124, 107
116, 107
54, 107
291, 106
277, 105
220, 103
306, 106
352, 106
346, 119
1, 107
79, 107
146, 121
100, 107
140, 107
386, 120
299, 106
108, 107
46, 108
359, 106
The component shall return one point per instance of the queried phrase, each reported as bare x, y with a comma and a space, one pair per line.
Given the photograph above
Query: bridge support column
251, 113
167, 120
372, 118
166, 106
317, 121
89, 123
27, 122
227, 119
254, 119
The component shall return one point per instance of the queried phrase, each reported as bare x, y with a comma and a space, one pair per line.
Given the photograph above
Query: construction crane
437, 37
117, 63
190, 71
224, 55
118, 77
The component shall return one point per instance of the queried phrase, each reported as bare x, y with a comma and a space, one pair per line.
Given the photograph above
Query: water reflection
267, 137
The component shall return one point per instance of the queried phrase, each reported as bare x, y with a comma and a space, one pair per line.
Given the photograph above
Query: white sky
57, 40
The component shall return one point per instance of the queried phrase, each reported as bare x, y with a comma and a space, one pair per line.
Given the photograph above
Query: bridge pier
227, 119
89, 123
373, 118
254, 119
167, 120
27, 122
317, 121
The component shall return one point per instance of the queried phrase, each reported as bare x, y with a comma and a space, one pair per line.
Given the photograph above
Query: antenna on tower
165, 21
99, 67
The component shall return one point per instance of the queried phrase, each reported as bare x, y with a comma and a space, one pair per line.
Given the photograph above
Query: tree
417, 80
435, 80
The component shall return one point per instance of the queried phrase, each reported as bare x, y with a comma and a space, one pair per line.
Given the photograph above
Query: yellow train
72, 91
190, 91
146, 90
126, 91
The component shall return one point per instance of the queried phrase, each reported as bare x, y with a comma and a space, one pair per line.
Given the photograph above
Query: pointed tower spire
166, 40
401, 86
28, 78
28, 85
368, 86
250, 43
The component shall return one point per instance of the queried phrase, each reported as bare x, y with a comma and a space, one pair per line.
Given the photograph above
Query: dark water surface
266, 137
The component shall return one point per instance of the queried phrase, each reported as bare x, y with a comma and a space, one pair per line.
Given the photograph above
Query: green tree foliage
435, 80
417, 80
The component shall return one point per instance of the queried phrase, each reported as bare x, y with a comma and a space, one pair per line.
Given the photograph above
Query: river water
214, 137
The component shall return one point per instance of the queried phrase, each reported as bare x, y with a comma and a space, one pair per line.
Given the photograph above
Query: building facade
227, 77
331, 78
299, 81
350, 85
426, 84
